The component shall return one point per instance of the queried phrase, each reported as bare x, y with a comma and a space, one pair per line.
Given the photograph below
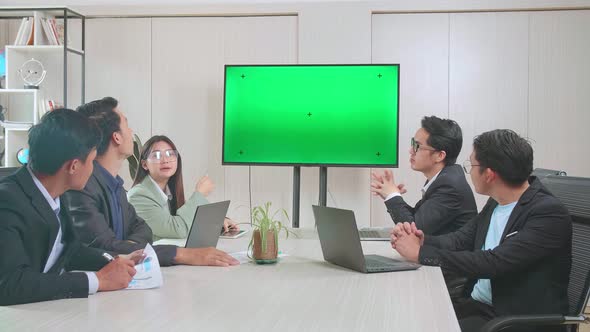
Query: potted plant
264, 244
133, 159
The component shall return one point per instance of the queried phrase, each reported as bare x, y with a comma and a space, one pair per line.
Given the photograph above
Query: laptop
207, 223
341, 244
375, 233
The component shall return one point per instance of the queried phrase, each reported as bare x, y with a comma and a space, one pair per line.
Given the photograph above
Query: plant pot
269, 256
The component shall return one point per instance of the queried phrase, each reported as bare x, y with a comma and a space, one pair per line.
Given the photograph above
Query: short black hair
102, 112
506, 153
61, 135
445, 135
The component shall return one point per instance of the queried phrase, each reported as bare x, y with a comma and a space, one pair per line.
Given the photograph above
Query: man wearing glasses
447, 200
516, 251
102, 216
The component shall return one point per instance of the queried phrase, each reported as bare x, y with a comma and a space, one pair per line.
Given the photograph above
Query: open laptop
207, 223
341, 244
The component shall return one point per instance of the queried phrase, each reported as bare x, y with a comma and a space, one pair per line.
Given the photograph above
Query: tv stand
323, 199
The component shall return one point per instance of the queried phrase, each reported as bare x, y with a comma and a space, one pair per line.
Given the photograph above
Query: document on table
148, 270
242, 256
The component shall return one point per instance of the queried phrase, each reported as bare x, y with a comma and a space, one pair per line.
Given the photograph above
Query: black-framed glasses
417, 146
468, 166
158, 156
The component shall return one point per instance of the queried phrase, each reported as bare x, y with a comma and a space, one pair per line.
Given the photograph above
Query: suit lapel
526, 197
484, 225
106, 192
40, 205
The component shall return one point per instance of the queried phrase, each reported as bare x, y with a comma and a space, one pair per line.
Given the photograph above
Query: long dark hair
175, 181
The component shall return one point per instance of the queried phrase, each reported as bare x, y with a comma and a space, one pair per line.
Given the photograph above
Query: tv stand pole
323, 185
323, 199
296, 195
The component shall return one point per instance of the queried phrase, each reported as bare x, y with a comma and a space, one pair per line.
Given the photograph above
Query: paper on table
148, 270
242, 256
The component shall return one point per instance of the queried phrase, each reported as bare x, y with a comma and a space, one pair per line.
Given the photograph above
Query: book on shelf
25, 32
48, 105
47, 34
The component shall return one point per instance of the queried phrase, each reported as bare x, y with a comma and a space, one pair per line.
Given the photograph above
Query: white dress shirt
423, 190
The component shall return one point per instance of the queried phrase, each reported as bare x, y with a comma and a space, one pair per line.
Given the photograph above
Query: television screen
304, 115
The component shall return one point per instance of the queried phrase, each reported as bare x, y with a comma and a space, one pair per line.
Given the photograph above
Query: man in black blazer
516, 252
447, 200
103, 218
38, 246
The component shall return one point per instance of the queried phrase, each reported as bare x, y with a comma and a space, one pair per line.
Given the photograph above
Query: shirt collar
427, 185
112, 182
53, 203
165, 194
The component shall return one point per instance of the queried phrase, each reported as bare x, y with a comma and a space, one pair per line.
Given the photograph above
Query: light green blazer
150, 204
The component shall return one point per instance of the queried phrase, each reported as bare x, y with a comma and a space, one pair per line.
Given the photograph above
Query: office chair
6, 171
574, 192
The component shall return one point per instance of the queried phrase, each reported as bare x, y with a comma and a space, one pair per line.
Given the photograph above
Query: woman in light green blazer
158, 192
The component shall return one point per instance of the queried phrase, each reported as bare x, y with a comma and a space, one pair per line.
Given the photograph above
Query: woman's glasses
158, 156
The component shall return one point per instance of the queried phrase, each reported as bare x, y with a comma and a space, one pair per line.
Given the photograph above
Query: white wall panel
488, 75
419, 43
559, 102
118, 64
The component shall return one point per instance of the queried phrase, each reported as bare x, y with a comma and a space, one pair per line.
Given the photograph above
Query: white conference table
300, 293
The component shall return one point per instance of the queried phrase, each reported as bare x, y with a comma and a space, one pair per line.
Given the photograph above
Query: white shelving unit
64, 64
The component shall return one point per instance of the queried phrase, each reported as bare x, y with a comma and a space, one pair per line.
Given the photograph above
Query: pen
108, 257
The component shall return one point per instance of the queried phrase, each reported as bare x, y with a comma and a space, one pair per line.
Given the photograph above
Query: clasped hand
407, 239
383, 185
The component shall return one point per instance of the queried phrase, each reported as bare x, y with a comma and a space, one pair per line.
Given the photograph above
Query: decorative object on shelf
264, 244
2, 111
133, 159
22, 155
32, 73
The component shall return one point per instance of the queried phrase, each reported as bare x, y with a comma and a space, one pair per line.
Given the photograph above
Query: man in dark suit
517, 251
37, 243
447, 200
103, 218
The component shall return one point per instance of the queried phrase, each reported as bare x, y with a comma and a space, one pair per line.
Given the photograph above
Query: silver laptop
207, 224
375, 233
341, 244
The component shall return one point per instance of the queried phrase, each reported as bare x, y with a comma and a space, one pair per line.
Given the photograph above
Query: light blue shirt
482, 291
58, 246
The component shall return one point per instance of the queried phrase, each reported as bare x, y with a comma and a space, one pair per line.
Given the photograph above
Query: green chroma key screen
332, 115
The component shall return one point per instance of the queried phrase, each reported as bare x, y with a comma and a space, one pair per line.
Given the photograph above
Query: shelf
43, 48
16, 126
20, 11
23, 91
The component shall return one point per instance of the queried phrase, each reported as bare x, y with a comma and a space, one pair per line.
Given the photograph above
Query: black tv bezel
226, 163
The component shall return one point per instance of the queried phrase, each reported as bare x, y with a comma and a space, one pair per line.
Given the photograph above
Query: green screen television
311, 115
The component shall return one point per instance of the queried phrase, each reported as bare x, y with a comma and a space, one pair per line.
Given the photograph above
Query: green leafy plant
265, 221
134, 159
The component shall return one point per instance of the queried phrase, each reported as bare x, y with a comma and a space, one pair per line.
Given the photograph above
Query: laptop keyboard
380, 263
374, 234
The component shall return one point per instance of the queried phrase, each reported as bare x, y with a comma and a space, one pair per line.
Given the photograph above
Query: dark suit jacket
28, 228
90, 211
529, 270
447, 205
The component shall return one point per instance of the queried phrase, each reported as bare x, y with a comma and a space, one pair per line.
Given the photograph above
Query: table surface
300, 293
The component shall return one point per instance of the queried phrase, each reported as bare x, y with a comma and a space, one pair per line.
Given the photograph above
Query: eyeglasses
157, 156
416, 146
468, 166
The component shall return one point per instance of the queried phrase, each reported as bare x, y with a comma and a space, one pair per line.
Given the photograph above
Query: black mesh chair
6, 171
574, 192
